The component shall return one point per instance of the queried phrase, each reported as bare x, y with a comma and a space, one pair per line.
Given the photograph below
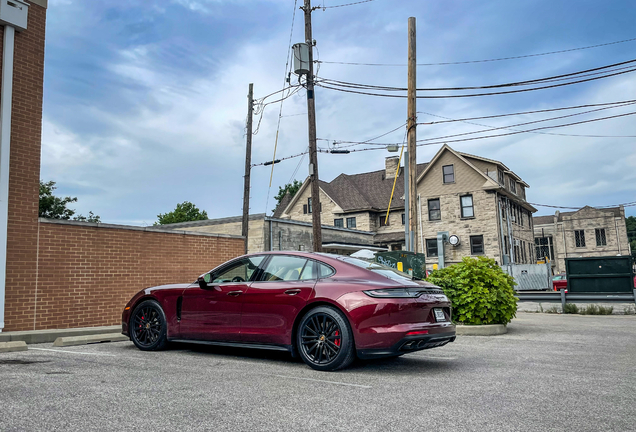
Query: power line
572, 75
449, 120
475, 94
343, 5
482, 61
630, 204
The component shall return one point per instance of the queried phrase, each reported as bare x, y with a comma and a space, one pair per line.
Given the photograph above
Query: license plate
439, 315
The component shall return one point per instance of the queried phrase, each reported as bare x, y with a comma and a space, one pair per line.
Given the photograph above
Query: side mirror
204, 281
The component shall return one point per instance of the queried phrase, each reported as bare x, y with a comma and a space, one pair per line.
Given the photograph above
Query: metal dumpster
600, 274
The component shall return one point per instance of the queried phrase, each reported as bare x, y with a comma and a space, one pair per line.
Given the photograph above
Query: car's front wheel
148, 326
324, 339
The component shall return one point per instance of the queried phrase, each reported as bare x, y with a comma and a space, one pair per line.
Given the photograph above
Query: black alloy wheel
325, 341
148, 327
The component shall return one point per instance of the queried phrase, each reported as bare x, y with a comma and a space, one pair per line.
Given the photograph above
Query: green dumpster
609, 274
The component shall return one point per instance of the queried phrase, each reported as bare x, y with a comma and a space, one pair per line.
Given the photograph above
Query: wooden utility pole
248, 165
313, 155
412, 135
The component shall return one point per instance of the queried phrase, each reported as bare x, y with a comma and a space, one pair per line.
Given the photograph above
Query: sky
145, 102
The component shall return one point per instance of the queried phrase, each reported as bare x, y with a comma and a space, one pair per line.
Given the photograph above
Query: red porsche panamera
327, 309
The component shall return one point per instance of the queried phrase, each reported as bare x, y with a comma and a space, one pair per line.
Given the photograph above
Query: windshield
384, 270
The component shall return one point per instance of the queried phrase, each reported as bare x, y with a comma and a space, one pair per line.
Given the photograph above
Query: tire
324, 339
148, 326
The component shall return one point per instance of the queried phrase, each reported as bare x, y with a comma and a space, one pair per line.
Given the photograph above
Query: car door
274, 300
214, 313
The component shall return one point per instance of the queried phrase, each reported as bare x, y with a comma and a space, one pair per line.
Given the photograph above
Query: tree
53, 207
184, 212
292, 188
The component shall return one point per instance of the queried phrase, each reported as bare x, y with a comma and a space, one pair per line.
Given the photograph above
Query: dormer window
513, 186
500, 177
449, 174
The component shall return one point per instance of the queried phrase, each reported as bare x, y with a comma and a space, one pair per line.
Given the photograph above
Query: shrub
479, 290
596, 310
571, 308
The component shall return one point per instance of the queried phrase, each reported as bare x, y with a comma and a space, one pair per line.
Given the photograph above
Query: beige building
478, 200
588, 232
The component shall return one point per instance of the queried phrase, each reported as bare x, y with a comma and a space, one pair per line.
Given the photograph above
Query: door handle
292, 291
235, 293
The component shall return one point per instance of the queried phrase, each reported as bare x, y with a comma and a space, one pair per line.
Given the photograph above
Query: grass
629, 310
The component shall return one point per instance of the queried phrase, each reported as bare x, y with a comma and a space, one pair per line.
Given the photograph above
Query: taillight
417, 332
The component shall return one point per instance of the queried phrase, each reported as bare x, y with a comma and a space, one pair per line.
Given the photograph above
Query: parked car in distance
559, 282
327, 309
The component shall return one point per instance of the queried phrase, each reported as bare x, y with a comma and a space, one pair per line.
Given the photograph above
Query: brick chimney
391, 164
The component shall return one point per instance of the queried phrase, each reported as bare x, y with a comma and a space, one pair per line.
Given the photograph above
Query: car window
378, 268
309, 272
324, 270
284, 268
241, 271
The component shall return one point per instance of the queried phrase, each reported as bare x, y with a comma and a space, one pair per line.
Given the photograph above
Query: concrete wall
86, 273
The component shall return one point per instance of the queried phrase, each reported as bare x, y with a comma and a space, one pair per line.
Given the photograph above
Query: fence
530, 277
567, 297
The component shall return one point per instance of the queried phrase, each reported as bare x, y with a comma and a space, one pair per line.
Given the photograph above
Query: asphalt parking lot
550, 372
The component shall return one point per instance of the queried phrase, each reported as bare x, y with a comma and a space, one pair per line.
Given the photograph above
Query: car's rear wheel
324, 339
148, 326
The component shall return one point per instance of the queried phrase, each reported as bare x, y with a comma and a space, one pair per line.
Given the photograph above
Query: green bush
479, 290
571, 308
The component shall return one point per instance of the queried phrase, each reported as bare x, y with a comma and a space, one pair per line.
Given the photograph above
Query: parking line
73, 352
323, 381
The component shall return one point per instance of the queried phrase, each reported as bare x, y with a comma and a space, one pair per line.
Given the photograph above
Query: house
588, 232
478, 200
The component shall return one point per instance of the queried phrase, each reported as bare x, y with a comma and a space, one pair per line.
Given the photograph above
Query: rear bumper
409, 344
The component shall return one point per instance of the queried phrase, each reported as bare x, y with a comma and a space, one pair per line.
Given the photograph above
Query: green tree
184, 212
53, 207
292, 188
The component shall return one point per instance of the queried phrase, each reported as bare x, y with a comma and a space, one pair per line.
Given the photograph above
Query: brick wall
87, 273
26, 128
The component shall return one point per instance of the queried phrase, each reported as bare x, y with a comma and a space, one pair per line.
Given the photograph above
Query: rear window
381, 269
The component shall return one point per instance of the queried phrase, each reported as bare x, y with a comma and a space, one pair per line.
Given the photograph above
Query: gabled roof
492, 161
460, 156
358, 192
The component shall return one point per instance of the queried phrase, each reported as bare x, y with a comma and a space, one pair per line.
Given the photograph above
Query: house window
308, 205
467, 206
431, 247
601, 240
434, 212
351, 222
513, 186
338, 223
384, 221
579, 238
449, 174
543, 247
403, 218
500, 177
477, 245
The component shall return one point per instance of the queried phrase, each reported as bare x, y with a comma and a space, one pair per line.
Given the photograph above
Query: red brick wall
86, 274
24, 174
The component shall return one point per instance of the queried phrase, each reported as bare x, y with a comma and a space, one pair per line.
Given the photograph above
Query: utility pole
311, 117
412, 135
248, 165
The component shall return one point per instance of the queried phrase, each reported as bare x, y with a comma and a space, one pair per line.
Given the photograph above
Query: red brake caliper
337, 341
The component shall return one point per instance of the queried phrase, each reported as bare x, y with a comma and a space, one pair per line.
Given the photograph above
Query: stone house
479, 200
588, 232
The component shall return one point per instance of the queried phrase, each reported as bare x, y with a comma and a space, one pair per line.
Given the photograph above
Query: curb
481, 330
46, 336
89, 339
12, 346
